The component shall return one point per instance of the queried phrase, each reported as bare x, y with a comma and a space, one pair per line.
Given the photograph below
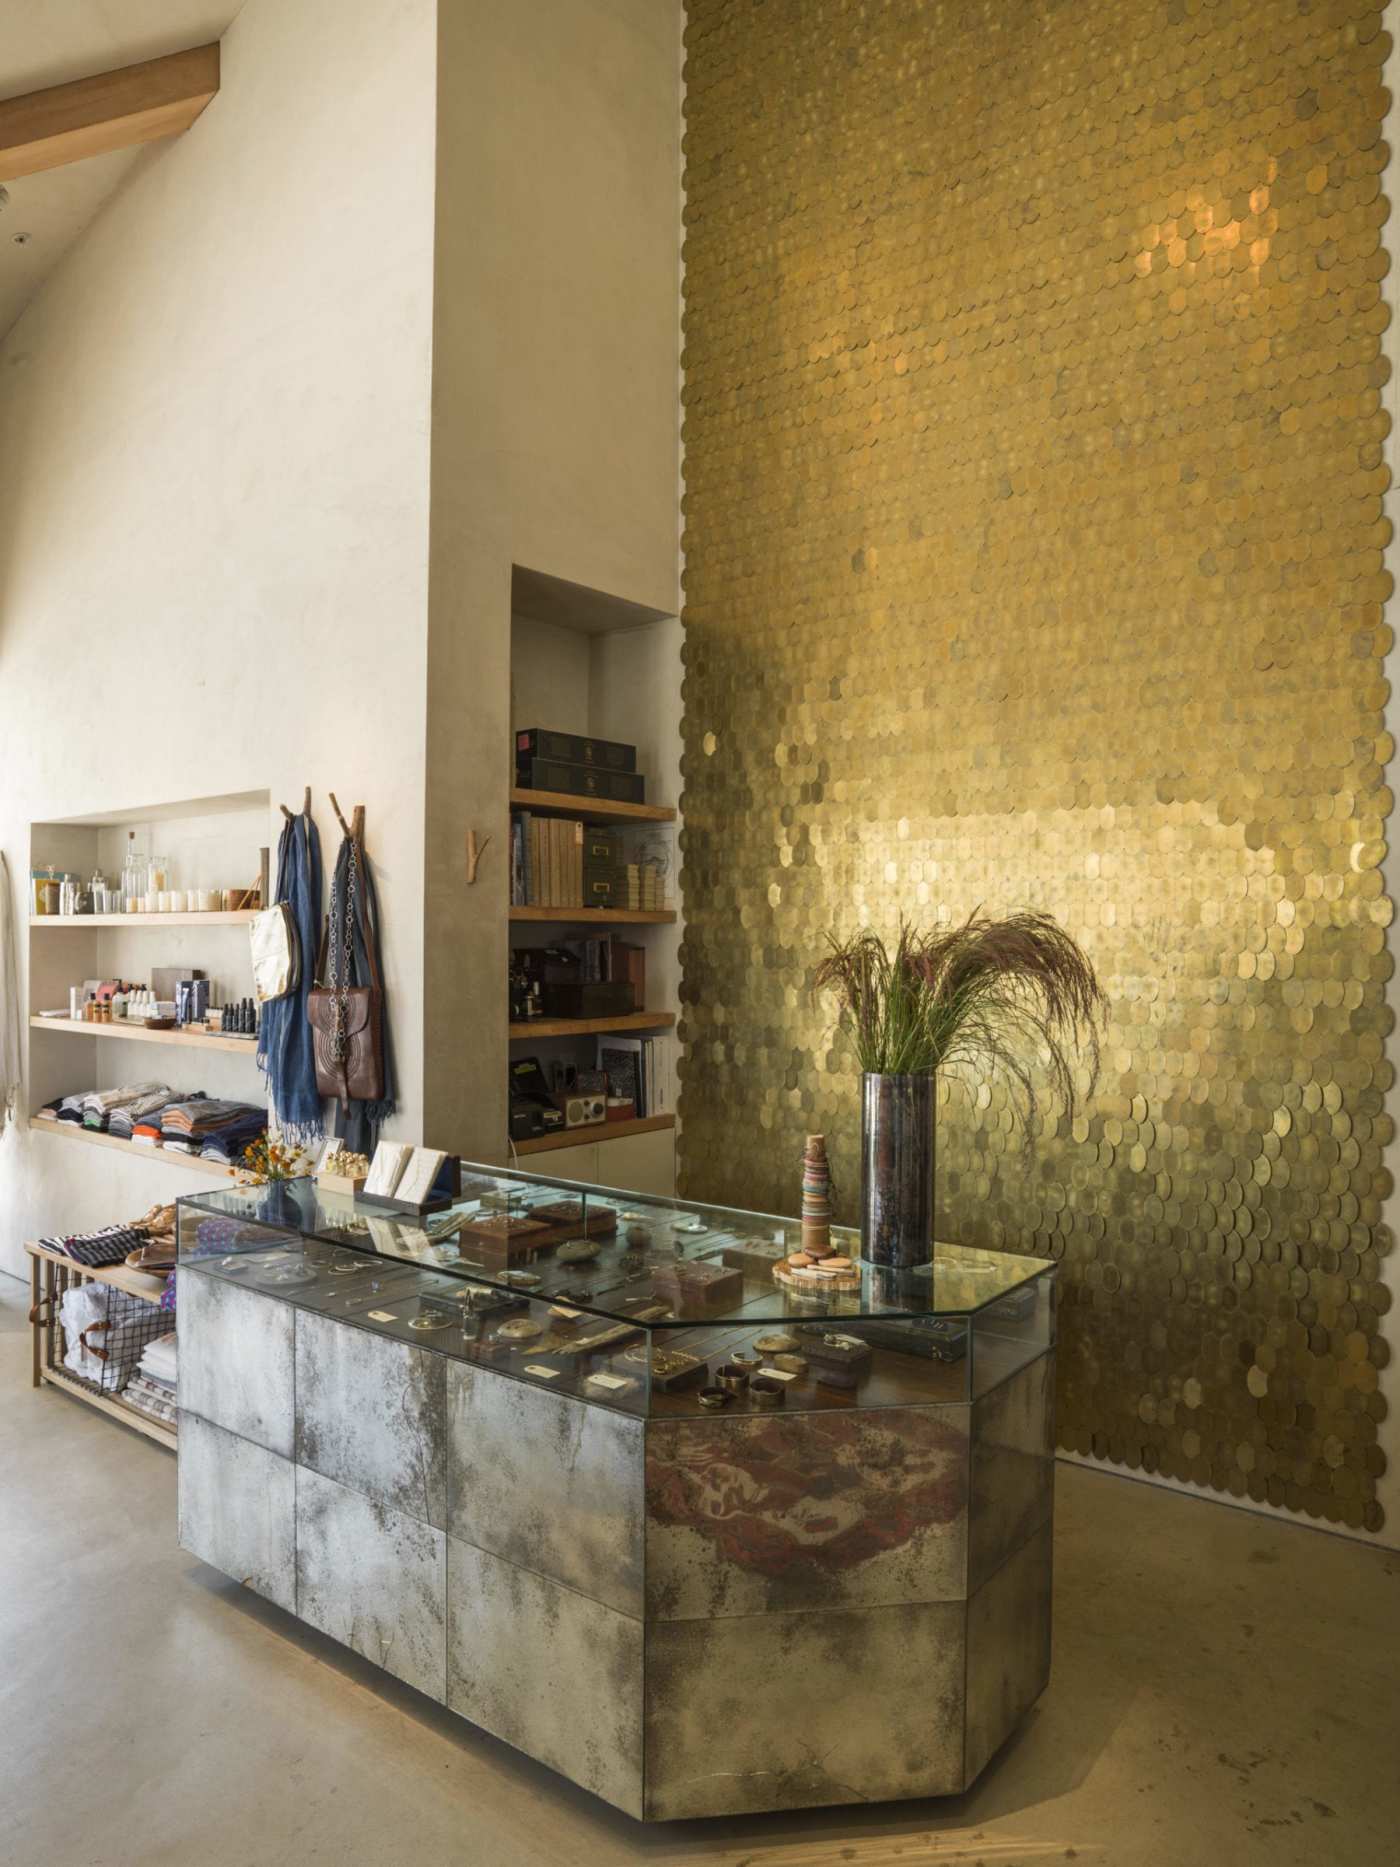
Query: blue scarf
285, 1053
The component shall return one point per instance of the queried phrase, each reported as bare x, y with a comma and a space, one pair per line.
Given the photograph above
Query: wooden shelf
138, 1034
70, 1131
596, 917
147, 1285
226, 917
111, 1404
596, 1131
48, 1335
591, 809
588, 1027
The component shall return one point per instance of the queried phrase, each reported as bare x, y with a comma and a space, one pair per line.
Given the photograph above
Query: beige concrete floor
1226, 1690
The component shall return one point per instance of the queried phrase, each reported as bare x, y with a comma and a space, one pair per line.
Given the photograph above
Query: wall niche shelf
228, 917
594, 1027
594, 1131
590, 809
597, 917
89, 1137
138, 1034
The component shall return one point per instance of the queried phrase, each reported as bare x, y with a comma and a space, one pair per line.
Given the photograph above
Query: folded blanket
150, 1398
159, 1358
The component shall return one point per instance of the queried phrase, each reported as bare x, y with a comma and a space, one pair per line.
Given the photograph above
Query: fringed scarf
357, 1123
285, 1053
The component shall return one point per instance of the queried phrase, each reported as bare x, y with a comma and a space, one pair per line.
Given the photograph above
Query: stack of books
640, 1068
563, 862
546, 868
643, 887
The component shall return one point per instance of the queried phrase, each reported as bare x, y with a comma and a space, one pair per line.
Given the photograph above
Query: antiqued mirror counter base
688, 1608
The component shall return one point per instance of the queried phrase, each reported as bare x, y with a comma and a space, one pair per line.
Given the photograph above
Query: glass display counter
636, 1422
657, 1306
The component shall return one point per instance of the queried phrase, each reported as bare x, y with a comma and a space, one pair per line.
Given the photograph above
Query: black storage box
602, 866
601, 998
615, 787
572, 749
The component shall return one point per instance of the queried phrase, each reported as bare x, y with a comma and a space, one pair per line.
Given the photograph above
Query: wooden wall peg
475, 851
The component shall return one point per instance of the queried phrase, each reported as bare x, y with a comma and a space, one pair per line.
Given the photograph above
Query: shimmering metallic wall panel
1034, 555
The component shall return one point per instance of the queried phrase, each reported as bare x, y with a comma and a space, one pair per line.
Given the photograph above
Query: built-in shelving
45, 1287
594, 1027
594, 1131
144, 1284
224, 917
138, 1034
596, 917
89, 1137
590, 809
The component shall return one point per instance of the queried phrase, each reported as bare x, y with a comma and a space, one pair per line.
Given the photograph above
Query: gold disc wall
1034, 557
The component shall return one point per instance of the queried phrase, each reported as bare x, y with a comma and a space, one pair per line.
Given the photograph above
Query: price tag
777, 1374
610, 1381
545, 1374
382, 1315
569, 1315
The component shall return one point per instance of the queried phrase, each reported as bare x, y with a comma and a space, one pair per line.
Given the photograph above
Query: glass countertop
662, 1263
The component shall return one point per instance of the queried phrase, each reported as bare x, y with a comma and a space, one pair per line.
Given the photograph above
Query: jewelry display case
554, 1423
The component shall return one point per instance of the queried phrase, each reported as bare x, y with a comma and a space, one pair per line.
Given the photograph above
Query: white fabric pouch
276, 952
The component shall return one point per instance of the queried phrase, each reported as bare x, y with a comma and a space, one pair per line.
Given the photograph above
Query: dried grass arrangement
994, 993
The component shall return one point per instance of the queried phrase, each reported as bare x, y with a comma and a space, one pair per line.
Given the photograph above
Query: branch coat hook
475, 851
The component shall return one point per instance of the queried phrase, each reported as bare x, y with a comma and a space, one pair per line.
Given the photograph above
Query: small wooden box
340, 1183
600, 1221
691, 1284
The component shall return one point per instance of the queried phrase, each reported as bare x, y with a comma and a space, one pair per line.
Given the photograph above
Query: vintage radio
583, 1111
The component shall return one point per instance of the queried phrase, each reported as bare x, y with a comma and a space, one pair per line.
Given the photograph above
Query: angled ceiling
54, 44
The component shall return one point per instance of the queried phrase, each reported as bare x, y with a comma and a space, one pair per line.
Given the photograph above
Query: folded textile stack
148, 1397
152, 1387
124, 1117
214, 1129
109, 1245
98, 1104
159, 1361
70, 1109
115, 1244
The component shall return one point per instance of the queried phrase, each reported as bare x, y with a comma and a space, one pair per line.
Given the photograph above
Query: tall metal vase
896, 1170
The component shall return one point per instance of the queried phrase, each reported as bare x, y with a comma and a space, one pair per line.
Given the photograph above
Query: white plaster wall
214, 456
555, 430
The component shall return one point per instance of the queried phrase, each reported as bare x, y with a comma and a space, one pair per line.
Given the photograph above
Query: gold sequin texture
1034, 548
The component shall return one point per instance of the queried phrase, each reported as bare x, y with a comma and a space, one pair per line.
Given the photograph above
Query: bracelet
766, 1394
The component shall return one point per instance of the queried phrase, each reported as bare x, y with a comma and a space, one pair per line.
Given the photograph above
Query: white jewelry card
386, 1169
422, 1168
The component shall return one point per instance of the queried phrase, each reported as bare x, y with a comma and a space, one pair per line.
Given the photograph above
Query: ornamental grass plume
988, 992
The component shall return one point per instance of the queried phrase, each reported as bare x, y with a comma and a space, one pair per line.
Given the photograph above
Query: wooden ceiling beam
114, 110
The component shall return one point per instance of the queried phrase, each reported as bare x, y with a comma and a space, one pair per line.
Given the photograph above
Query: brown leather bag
347, 1026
